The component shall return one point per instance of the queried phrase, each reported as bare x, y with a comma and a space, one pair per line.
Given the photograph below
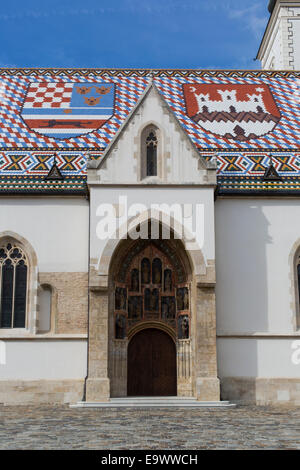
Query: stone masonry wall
71, 297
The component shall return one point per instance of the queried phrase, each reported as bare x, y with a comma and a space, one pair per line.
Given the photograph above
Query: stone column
118, 373
207, 382
97, 384
184, 370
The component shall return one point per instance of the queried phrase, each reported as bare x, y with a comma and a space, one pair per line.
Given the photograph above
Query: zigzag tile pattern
26, 156
286, 92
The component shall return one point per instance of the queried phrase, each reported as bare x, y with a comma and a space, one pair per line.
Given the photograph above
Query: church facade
150, 232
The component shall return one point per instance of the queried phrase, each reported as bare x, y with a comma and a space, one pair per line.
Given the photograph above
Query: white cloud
250, 17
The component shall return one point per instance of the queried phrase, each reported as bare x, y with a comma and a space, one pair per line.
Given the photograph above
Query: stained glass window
13, 286
151, 143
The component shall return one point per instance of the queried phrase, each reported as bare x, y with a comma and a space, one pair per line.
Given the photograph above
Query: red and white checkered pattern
130, 85
49, 95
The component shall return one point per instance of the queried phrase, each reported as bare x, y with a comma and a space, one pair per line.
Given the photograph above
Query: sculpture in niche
156, 271
120, 325
182, 298
123, 299
145, 271
154, 300
183, 327
134, 307
168, 280
135, 284
151, 300
164, 310
185, 299
168, 308
120, 298
179, 300
151, 277
147, 299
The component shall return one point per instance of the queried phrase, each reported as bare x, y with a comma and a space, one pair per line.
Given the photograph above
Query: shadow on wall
241, 268
239, 390
242, 237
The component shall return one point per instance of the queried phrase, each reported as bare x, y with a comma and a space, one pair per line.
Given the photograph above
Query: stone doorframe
107, 365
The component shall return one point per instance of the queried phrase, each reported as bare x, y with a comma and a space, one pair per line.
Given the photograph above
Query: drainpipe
88, 322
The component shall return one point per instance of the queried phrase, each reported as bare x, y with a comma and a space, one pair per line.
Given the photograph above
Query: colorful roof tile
240, 117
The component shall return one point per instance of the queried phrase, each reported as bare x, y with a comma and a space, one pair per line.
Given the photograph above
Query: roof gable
179, 160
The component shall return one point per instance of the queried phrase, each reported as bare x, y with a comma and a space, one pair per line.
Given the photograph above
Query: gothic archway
150, 286
152, 290
107, 355
29, 259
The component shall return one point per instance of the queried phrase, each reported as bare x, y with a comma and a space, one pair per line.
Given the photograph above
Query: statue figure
168, 280
138, 310
135, 280
120, 327
183, 327
164, 311
153, 300
186, 299
179, 300
122, 299
145, 271
117, 299
147, 299
156, 268
130, 307
172, 310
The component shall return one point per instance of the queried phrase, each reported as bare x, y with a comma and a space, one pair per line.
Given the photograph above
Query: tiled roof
240, 117
241, 172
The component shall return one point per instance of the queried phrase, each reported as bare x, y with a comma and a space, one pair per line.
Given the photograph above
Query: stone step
152, 402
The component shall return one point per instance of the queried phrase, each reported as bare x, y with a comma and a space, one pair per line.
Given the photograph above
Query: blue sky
132, 33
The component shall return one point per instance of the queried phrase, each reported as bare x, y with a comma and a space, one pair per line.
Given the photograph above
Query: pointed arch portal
152, 325
150, 320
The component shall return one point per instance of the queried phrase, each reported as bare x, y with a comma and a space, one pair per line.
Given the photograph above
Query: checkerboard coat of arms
234, 111
63, 110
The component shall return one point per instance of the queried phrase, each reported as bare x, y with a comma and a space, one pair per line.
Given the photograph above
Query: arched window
45, 304
151, 144
13, 286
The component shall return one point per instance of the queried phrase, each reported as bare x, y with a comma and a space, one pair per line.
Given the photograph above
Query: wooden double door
151, 364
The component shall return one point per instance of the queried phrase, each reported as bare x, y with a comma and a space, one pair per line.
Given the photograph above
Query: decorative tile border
26, 156
130, 85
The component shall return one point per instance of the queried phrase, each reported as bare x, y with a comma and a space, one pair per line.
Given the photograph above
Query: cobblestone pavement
60, 427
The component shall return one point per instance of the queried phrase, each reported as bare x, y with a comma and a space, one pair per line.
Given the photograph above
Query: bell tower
280, 45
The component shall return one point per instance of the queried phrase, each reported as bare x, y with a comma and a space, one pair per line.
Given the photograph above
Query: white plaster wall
154, 195
273, 58
182, 169
179, 161
256, 358
57, 228
44, 359
282, 48
296, 40
254, 239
